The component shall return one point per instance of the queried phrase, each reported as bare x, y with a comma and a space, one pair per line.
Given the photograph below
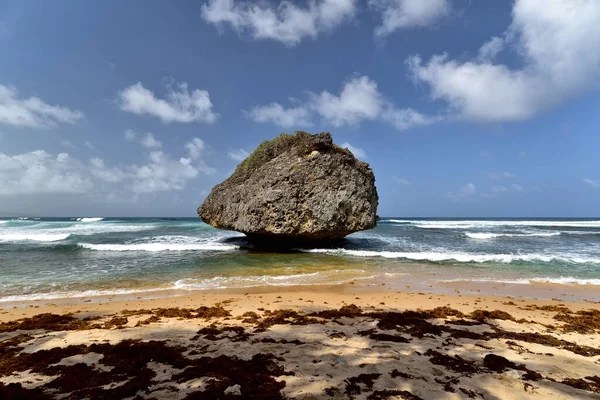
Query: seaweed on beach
15, 391
353, 383
387, 394
255, 377
590, 383
216, 311
49, 322
349, 311
283, 317
456, 363
482, 315
116, 322
373, 335
584, 321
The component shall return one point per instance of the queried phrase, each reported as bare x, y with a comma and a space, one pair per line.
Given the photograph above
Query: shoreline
532, 291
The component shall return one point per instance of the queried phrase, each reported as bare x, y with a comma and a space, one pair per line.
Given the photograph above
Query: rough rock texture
298, 187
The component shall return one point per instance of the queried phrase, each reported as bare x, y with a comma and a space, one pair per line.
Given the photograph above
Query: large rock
295, 188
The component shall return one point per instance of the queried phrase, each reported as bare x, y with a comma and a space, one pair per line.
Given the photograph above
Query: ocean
47, 258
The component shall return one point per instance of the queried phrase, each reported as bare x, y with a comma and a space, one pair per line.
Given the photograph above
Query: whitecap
90, 219
33, 237
456, 256
469, 224
489, 235
156, 247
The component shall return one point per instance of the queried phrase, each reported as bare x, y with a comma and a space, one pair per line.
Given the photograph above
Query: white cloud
358, 100
286, 23
499, 189
33, 112
357, 151
130, 135
486, 154
491, 48
89, 145
595, 183
67, 143
97, 162
179, 106
149, 142
406, 118
400, 180
496, 190
402, 14
238, 155
195, 148
558, 44
39, 172
500, 175
465, 192
284, 117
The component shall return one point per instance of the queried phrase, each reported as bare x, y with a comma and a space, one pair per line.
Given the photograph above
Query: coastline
572, 293
320, 342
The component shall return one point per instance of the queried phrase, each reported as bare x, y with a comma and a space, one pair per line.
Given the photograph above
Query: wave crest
33, 237
489, 235
458, 257
156, 247
90, 219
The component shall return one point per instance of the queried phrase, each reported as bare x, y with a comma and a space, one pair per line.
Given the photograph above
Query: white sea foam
218, 282
489, 235
75, 294
523, 281
437, 256
469, 224
90, 219
315, 278
33, 237
156, 247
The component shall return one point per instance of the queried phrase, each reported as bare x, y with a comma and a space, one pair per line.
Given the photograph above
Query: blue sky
462, 108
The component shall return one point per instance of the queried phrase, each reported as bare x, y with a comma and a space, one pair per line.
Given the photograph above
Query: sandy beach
343, 342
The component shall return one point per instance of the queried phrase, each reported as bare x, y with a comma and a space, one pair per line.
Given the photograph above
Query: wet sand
341, 342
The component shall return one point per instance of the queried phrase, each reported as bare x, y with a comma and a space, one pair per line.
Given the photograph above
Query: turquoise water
66, 257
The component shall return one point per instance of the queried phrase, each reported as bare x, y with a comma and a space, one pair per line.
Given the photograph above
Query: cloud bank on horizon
543, 58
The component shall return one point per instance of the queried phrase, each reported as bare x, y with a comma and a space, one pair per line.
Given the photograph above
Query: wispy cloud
180, 105
500, 175
287, 23
465, 192
238, 155
595, 183
400, 180
402, 14
359, 100
557, 42
33, 112
357, 151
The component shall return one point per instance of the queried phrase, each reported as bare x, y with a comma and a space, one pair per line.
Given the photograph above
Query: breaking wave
33, 237
156, 247
456, 256
489, 235
528, 281
469, 224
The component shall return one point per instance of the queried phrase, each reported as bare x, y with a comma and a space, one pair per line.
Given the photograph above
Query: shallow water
66, 257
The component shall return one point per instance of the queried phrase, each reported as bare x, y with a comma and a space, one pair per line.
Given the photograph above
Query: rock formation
293, 189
